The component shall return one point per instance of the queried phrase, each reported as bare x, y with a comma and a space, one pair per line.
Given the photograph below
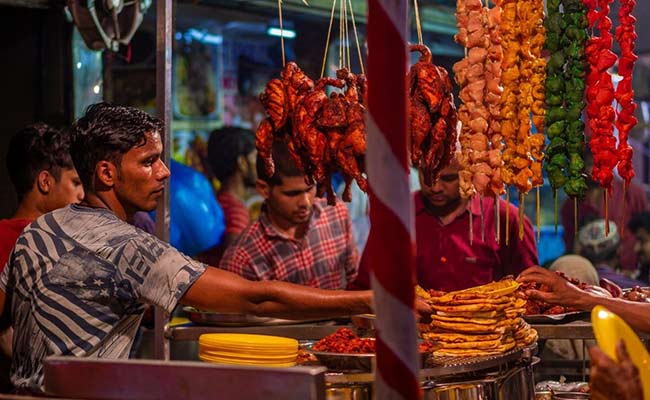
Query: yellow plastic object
177, 321
249, 356
248, 341
245, 349
227, 360
609, 330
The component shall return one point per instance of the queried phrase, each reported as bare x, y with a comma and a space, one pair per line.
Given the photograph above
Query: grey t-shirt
77, 281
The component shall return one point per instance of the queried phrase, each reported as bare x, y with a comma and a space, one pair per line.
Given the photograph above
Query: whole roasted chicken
432, 115
325, 134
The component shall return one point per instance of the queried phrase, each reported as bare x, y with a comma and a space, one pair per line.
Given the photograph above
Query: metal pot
477, 390
516, 383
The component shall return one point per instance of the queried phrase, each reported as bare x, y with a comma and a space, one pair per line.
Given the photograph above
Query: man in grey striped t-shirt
78, 278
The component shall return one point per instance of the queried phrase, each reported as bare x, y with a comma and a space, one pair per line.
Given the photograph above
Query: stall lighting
96, 89
204, 37
79, 65
287, 33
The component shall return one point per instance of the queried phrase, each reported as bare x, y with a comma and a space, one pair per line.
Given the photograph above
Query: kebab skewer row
626, 36
575, 39
494, 90
600, 96
537, 107
556, 161
478, 75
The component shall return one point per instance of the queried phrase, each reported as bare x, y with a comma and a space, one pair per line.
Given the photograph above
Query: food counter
469, 376
318, 330
508, 373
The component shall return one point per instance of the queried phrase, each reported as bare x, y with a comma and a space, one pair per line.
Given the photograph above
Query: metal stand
164, 36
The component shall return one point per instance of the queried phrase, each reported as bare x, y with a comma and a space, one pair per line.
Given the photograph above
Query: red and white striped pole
391, 245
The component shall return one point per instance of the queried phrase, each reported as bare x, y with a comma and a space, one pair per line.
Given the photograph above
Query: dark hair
35, 148
106, 132
284, 165
225, 146
640, 220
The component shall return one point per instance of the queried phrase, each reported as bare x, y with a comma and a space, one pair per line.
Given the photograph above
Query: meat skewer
479, 77
626, 36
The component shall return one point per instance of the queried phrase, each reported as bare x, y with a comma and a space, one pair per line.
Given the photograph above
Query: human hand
423, 310
558, 290
612, 380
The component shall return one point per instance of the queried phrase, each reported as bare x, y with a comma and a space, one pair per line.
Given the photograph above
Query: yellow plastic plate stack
245, 349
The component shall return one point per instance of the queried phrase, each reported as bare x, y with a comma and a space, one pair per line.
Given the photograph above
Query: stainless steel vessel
505, 377
516, 383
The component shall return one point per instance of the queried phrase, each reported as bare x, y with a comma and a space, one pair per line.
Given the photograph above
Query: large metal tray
443, 366
225, 319
556, 318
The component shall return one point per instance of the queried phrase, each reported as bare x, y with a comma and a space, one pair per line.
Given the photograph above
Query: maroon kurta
446, 260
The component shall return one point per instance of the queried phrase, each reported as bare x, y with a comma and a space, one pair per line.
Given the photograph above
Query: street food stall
337, 356
532, 79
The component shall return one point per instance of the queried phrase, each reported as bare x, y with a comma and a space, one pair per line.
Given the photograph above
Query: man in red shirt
44, 177
297, 238
41, 170
445, 259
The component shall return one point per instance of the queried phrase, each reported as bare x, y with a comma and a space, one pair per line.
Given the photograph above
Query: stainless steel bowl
348, 361
345, 362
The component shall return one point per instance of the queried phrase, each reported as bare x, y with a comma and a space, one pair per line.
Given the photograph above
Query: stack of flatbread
481, 321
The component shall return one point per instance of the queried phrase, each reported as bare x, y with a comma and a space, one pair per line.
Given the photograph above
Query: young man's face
141, 176
65, 190
642, 246
445, 191
292, 201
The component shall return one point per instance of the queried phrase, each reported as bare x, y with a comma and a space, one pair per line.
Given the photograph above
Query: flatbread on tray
529, 339
453, 337
474, 352
479, 307
470, 314
479, 321
469, 298
502, 287
480, 345
501, 326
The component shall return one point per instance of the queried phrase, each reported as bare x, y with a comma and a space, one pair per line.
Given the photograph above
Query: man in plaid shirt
297, 238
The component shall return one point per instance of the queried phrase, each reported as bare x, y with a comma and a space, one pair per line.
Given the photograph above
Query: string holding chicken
324, 134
